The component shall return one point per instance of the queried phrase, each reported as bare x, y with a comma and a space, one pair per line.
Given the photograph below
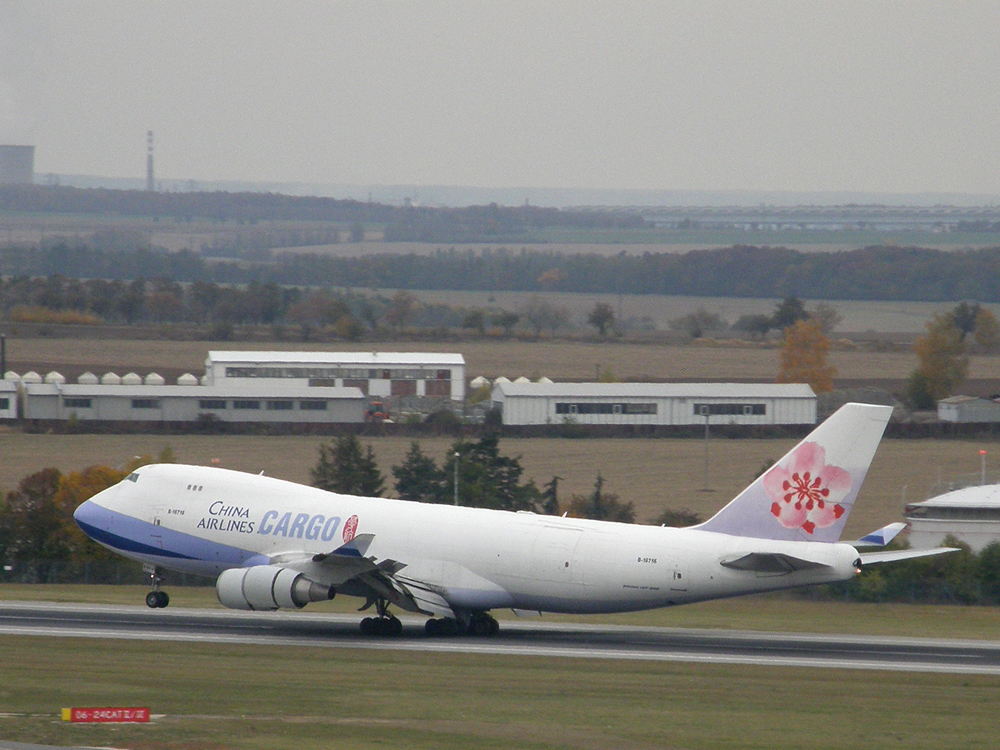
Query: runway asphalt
516, 638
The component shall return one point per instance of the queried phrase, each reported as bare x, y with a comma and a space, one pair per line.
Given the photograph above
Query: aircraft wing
872, 558
350, 567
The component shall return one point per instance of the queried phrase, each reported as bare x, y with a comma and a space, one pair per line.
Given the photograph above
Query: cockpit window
133, 477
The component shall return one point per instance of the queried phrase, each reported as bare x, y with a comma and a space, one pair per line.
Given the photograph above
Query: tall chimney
150, 184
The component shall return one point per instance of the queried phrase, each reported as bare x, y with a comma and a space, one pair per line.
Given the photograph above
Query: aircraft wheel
164, 598
153, 599
369, 626
432, 627
392, 626
494, 627
480, 626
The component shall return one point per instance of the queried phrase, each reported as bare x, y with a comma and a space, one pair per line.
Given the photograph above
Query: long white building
228, 402
655, 403
378, 374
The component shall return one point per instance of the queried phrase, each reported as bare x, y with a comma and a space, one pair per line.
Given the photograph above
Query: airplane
276, 544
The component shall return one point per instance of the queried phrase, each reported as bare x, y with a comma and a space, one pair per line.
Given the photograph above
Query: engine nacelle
268, 587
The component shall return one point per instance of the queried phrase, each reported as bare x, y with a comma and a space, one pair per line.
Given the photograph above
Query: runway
530, 638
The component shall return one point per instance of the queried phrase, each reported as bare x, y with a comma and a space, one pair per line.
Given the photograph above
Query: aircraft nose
91, 514
87, 515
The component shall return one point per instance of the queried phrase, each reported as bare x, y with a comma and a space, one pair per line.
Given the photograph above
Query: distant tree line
415, 223
739, 271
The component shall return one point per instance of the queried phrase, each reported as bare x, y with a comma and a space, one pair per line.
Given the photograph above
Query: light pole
982, 467
457, 457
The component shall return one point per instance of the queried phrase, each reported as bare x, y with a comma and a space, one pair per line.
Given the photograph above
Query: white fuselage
205, 520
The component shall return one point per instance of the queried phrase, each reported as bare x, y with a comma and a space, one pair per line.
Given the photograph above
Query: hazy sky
858, 96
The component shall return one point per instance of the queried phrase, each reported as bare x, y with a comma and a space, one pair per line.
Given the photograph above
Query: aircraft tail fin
808, 494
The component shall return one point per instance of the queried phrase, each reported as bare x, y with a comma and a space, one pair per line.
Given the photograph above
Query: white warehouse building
380, 374
655, 403
8, 399
229, 402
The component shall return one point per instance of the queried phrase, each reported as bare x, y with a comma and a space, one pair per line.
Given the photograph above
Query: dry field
559, 359
653, 474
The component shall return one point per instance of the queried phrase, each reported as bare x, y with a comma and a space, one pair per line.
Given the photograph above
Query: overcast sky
798, 96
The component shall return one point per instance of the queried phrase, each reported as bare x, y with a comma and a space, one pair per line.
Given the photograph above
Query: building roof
374, 359
955, 400
978, 496
657, 390
8, 386
227, 389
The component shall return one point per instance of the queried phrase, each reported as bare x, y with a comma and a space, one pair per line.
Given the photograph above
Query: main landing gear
155, 599
385, 624
471, 623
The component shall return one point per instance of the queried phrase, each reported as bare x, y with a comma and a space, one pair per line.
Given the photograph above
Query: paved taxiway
517, 638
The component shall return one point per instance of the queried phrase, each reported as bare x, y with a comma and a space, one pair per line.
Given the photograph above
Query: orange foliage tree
803, 357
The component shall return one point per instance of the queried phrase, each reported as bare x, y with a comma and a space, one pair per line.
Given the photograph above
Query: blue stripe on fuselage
131, 536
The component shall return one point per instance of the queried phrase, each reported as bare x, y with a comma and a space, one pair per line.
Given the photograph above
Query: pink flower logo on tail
807, 491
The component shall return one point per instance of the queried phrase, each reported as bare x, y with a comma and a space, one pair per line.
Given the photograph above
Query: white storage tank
110, 378
155, 379
55, 377
31, 377
479, 382
131, 378
88, 378
11, 375
187, 379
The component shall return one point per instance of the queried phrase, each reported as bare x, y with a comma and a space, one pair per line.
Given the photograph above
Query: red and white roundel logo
350, 528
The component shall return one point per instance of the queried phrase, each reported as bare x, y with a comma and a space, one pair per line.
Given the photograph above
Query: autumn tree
30, 522
941, 362
987, 330
803, 357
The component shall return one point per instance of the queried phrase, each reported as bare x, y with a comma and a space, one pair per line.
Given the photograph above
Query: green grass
212, 696
227, 696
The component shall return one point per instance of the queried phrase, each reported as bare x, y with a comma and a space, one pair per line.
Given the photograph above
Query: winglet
809, 493
357, 547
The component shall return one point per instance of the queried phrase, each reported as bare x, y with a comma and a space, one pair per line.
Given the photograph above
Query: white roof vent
31, 377
187, 379
501, 380
131, 378
11, 375
544, 380
479, 382
88, 378
154, 379
522, 379
55, 377
109, 378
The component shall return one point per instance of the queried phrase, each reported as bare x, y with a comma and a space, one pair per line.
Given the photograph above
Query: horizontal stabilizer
872, 558
881, 537
771, 562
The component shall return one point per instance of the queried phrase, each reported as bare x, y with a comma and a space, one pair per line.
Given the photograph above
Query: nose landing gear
155, 599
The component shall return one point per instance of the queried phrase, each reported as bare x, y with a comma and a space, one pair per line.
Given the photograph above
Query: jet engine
267, 587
